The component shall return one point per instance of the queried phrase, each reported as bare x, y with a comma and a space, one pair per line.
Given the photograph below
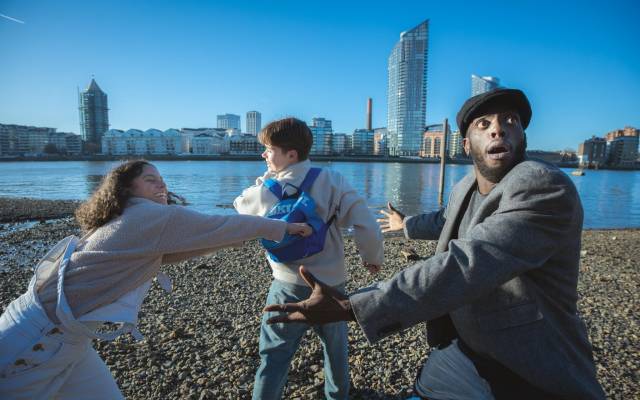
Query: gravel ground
14, 209
202, 341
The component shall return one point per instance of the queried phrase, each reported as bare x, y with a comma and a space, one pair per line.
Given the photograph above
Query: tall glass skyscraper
407, 91
94, 116
481, 84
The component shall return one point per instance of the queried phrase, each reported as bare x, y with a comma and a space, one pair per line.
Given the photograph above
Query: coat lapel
456, 207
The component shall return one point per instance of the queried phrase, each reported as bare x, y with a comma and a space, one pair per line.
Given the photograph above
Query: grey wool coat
509, 286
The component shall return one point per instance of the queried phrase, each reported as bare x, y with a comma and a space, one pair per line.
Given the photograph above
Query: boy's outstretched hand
392, 221
299, 228
325, 305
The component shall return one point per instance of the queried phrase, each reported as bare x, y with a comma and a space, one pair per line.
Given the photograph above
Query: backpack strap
309, 179
274, 187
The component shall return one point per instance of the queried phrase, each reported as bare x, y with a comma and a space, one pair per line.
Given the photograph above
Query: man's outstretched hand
392, 221
323, 306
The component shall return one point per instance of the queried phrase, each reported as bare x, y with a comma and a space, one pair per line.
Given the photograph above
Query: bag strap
309, 179
274, 187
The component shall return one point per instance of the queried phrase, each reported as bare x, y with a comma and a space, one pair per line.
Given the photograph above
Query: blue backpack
297, 207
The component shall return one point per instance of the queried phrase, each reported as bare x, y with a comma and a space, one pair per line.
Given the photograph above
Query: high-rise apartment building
228, 121
254, 122
407, 91
482, 84
94, 116
322, 133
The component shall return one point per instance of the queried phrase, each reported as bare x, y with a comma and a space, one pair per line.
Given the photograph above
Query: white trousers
42, 360
449, 374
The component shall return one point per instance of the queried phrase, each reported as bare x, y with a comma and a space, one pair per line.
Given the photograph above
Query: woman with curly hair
131, 227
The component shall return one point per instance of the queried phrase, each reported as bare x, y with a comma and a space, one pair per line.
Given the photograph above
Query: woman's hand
299, 228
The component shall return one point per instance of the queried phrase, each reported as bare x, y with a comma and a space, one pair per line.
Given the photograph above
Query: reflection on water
93, 181
610, 198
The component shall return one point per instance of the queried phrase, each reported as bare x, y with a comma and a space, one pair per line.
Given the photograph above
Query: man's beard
495, 174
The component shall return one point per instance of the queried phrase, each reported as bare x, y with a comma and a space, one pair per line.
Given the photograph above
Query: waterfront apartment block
362, 142
244, 144
432, 141
340, 144
94, 116
482, 84
22, 140
65, 143
227, 121
210, 142
454, 145
322, 133
592, 153
137, 142
407, 91
622, 147
618, 148
189, 133
380, 139
254, 122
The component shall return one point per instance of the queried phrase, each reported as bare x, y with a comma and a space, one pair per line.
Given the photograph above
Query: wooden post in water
443, 157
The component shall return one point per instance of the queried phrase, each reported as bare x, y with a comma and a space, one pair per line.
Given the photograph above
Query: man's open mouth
499, 151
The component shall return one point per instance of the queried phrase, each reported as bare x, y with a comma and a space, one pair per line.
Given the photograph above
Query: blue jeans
279, 342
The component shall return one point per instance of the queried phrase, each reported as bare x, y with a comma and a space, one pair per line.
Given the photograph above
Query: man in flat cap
499, 296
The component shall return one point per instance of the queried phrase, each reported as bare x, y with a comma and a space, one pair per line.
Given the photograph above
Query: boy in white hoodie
288, 142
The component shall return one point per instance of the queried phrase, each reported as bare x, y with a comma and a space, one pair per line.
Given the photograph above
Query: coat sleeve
252, 200
536, 218
424, 226
352, 211
189, 233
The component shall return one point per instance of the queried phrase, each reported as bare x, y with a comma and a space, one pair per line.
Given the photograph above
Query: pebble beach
201, 341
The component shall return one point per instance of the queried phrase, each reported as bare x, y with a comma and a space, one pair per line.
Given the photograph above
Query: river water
611, 199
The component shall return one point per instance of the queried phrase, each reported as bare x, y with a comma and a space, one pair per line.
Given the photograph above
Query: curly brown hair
110, 198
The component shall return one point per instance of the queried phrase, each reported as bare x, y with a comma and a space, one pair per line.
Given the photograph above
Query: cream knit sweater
127, 251
332, 195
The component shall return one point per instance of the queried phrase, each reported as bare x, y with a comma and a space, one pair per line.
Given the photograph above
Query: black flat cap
497, 100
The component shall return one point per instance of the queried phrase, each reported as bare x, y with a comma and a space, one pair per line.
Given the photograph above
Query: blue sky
174, 64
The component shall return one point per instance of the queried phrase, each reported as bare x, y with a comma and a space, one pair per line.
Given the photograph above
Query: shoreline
15, 210
24, 209
201, 342
257, 157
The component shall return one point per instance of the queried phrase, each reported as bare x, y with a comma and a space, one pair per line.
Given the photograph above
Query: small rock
409, 254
